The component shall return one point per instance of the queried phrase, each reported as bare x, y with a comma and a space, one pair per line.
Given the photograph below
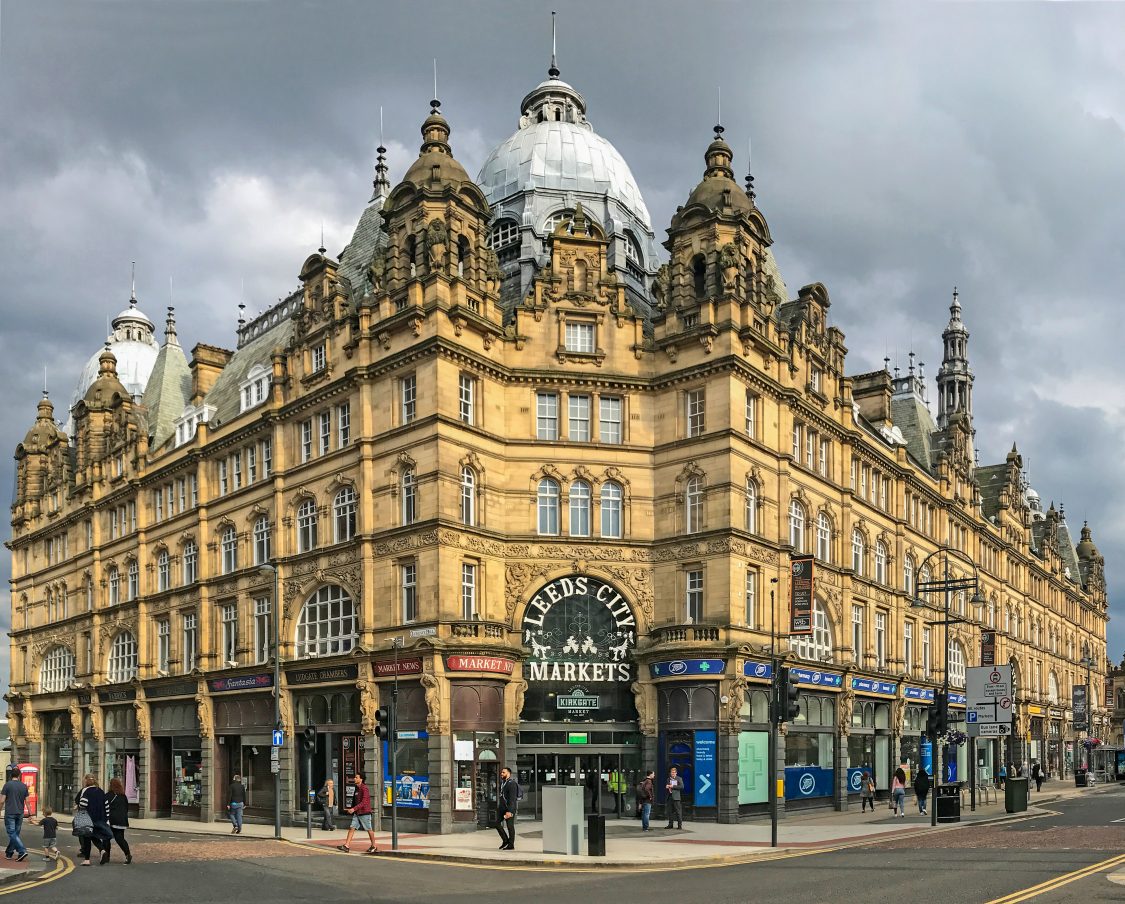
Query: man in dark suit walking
675, 788
507, 805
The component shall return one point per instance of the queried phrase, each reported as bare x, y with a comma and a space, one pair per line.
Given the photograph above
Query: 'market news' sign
801, 595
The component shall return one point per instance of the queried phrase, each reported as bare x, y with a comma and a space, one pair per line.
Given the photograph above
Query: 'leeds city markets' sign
579, 629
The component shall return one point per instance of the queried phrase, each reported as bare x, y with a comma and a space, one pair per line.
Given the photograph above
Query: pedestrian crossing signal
308, 739
382, 723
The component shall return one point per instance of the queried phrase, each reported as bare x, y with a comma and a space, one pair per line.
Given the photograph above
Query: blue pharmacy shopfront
811, 739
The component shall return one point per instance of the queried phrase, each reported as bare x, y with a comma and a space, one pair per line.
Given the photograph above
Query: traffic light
790, 694
383, 723
937, 716
308, 739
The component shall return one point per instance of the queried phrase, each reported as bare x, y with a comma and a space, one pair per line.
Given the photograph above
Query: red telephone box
29, 775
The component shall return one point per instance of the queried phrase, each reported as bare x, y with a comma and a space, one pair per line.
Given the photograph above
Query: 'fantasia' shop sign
579, 629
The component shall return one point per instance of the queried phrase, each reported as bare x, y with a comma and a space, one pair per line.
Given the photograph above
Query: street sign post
988, 704
278, 738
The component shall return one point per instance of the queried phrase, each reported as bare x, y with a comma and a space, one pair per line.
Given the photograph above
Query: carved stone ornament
519, 692
433, 701
645, 713
75, 718
141, 709
366, 705
845, 703
732, 711
206, 719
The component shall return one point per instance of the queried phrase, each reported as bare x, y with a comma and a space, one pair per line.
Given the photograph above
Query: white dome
563, 156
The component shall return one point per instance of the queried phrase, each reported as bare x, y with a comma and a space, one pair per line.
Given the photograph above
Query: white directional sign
988, 693
278, 738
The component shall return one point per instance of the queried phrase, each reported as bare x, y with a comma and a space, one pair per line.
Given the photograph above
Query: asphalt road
967, 866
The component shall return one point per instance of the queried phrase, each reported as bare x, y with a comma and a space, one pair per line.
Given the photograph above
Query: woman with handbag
117, 808
90, 823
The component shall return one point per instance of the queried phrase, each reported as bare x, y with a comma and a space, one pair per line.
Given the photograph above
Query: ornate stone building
565, 479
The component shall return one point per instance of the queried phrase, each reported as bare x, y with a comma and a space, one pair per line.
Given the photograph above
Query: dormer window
255, 388
580, 336
814, 378
190, 420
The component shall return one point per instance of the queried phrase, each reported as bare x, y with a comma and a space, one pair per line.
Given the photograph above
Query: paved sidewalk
627, 846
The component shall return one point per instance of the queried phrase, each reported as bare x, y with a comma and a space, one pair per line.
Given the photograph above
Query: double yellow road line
1059, 881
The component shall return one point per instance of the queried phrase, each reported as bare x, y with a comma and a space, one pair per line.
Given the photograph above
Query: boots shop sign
579, 631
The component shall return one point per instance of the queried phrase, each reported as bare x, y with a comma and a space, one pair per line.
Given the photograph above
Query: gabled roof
992, 479
910, 414
356, 257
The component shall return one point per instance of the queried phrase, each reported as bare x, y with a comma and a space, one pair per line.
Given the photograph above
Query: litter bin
1081, 779
595, 835
949, 803
1015, 795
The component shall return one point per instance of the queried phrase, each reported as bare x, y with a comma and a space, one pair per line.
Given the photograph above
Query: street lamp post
948, 585
775, 703
272, 570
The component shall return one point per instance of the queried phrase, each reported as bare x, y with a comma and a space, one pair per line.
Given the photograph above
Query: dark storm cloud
899, 149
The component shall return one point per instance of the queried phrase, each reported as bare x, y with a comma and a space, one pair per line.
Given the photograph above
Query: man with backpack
645, 797
510, 795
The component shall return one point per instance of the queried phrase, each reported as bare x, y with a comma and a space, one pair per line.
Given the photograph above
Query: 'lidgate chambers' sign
580, 634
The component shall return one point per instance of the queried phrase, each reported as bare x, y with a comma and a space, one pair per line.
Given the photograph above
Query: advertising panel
801, 595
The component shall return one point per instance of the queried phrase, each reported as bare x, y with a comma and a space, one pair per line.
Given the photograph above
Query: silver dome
563, 156
133, 345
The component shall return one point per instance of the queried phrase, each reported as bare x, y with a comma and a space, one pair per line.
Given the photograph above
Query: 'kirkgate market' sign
580, 634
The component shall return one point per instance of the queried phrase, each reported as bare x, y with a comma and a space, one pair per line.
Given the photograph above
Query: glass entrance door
608, 780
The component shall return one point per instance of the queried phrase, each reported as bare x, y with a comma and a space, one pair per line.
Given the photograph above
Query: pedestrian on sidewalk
506, 810
1037, 775
117, 813
91, 801
866, 792
674, 788
327, 798
50, 827
361, 815
922, 788
236, 803
14, 795
645, 795
898, 792
1003, 776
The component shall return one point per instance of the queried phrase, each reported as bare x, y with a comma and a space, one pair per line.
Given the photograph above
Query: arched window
122, 658
343, 512
956, 664
163, 578
56, 672
908, 575
263, 542
923, 579
503, 234
557, 217
229, 545
818, 645
113, 579
328, 623
133, 585
699, 275
751, 506
306, 525
409, 497
857, 551
548, 505
797, 526
191, 562
823, 538
1052, 688
612, 496
633, 249
880, 562
580, 509
468, 496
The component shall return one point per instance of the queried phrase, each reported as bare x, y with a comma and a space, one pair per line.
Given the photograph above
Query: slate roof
992, 479
910, 414
1064, 545
225, 394
368, 236
167, 393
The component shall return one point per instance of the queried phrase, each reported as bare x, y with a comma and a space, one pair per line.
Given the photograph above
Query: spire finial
749, 175
170, 326
241, 314
887, 364
321, 249
435, 103
381, 185
44, 381
133, 286
553, 71
911, 368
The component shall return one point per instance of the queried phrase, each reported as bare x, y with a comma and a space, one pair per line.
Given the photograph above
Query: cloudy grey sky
899, 149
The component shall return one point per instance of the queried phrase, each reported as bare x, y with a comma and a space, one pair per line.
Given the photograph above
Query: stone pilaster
727, 777
440, 817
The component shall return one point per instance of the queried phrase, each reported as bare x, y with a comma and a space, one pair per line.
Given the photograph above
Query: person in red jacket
361, 815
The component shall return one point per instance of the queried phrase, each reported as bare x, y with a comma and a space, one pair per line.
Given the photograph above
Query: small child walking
866, 792
50, 827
